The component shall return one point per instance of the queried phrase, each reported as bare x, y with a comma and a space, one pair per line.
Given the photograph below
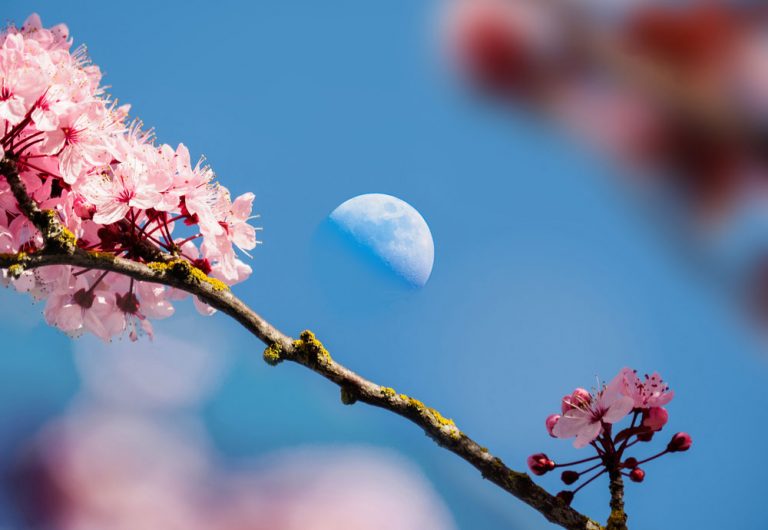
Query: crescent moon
393, 230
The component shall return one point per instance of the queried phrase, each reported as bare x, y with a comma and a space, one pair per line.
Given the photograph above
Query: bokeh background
546, 274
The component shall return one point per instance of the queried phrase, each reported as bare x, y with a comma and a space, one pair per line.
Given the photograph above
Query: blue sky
546, 274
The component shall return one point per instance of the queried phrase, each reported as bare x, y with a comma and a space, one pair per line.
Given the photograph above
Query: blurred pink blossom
125, 472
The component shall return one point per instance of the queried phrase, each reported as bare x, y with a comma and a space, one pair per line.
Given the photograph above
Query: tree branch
60, 249
618, 518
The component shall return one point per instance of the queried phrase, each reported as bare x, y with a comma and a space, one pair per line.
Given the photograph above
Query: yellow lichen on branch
433, 415
58, 238
388, 392
273, 354
185, 271
16, 263
307, 345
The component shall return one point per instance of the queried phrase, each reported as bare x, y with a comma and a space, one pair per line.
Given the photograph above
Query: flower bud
540, 464
637, 475
680, 442
565, 404
579, 398
566, 496
550, 422
569, 477
203, 264
630, 462
655, 418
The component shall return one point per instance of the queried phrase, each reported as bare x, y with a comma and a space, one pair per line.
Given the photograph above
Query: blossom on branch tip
593, 418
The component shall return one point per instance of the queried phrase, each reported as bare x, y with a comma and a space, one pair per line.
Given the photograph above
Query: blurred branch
60, 249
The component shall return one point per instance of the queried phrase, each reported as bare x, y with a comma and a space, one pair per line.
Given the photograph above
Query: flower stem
590, 480
567, 464
654, 457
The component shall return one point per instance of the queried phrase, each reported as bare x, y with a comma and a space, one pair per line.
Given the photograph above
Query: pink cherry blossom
80, 142
235, 223
652, 392
587, 420
78, 305
114, 195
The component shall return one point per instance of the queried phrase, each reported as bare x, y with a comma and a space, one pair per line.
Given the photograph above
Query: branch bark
60, 249
618, 518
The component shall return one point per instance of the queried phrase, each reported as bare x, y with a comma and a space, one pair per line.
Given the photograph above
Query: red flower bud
680, 442
540, 464
630, 462
569, 477
655, 418
637, 475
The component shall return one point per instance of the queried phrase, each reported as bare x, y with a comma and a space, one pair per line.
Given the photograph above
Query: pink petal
70, 317
570, 424
203, 308
244, 236
94, 324
618, 409
241, 207
663, 399
111, 212
587, 434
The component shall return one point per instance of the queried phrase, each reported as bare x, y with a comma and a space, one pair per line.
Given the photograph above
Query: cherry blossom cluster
591, 419
107, 181
536, 53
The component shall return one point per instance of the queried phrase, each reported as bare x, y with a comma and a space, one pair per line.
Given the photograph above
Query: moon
393, 230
